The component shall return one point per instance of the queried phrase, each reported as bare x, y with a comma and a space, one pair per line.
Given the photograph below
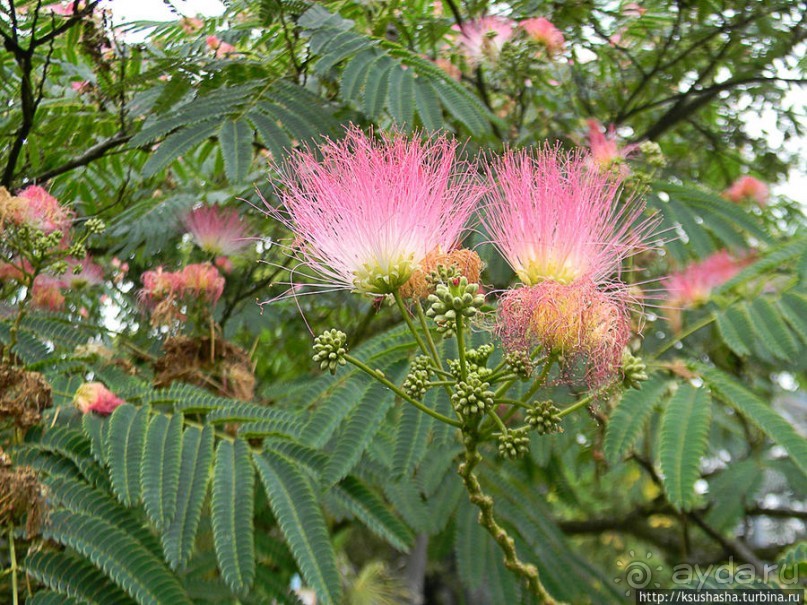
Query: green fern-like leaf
411, 436
746, 403
470, 542
122, 558
771, 329
127, 438
300, 518
96, 428
197, 454
794, 309
232, 511
236, 138
72, 445
401, 101
629, 417
683, 441
178, 143
74, 577
159, 471
730, 491
735, 328
46, 597
369, 508
275, 139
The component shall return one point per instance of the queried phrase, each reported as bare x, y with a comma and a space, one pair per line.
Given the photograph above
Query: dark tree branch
95, 152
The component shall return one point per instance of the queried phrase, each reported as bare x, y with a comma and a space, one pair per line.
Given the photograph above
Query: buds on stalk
330, 349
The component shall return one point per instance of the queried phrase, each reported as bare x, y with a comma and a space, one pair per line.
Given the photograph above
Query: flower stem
383, 380
527, 571
405, 312
541, 380
461, 347
12, 553
429, 340
497, 420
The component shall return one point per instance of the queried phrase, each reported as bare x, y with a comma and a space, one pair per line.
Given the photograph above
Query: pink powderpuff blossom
605, 151
43, 211
369, 212
222, 48
579, 321
191, 25
95, 397
15, 270
81, 87
544, 32
159, 285
83, 273
553, 218
693, 285
202, 281
224, 264
46, 293
747, 187
484, 38
64, 9
218, 231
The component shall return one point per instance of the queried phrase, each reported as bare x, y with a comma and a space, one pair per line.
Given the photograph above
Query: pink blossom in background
605, 151
159, 284
64, 9
369, 212
579, 320
447, 66
544, 32
80, 87
224, 264
191, 25
15, 269
553, 218
216, 230
202, 281
43, 211
222, 48
89, 273
46, 293
95, 397
694, 284
483, 38
747, 187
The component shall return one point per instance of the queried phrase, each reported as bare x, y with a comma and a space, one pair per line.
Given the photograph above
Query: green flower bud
544, 418
95, 225
634, 370
330, 349
519, 363
514, 444
472, 396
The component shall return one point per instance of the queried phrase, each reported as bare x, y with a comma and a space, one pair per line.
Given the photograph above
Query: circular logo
637, 572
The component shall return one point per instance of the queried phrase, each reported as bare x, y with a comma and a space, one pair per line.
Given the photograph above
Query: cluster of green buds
476, 360
417, 381
472, 396
634, 370
41, 243
519, 363
652, 154
544, 418
514, 443
95, 226
330, 349
456, 298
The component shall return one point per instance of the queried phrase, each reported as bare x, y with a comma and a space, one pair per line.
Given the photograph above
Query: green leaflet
235, 138
159, 471
74, 577
125, 561
682, 443
735, 395
628, 419
126, 440
197, 454
296, 509
232, 506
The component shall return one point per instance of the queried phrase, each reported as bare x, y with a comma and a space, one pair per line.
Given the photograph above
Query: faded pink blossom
369, 212
15, 269
63, 9
544, 32
483, 38
553, 218
46, 293
224, 264
159, 285
95, 397
747, 187
222, 48
694, 284
80, 87
43, 211
83, 273
447, 66
216, 230
579, 321
202, 281
191, 25
605, 151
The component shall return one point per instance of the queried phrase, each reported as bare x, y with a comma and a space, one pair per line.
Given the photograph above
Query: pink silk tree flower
222, 48
160, 285
747, 187
605, 150
43, 211
544, 32
553, 218
95, 397
202, 281
579, 321
218, 231
367, 214
46, 293
693, 285
483, 38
